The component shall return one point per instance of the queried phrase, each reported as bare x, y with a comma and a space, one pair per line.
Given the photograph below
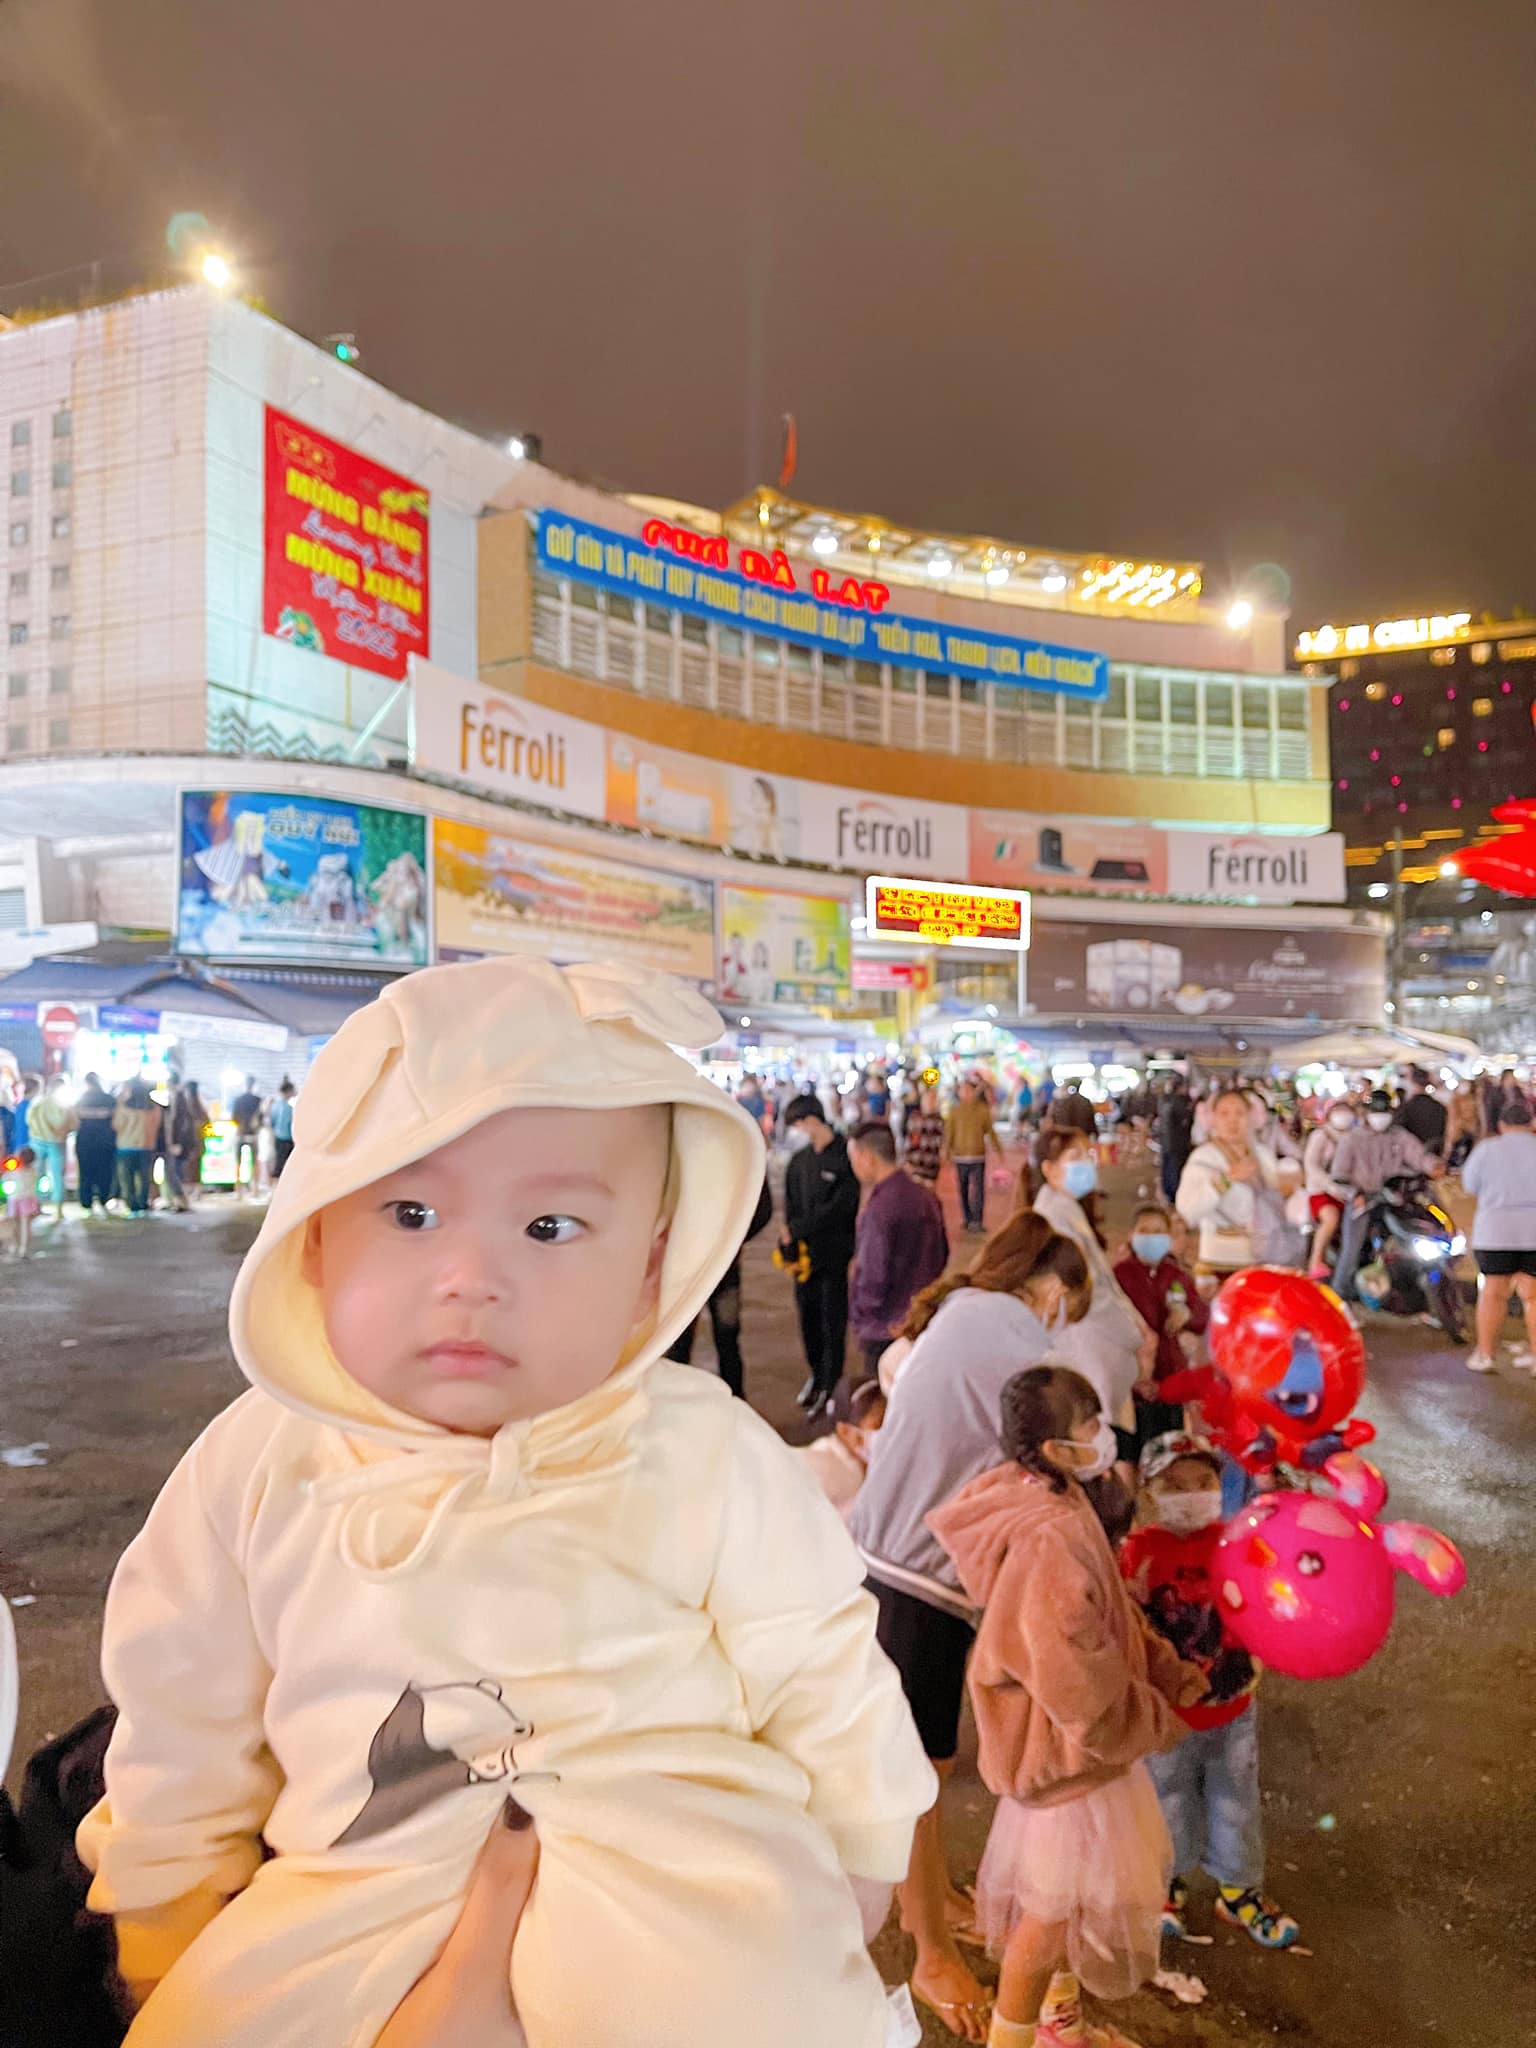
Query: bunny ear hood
436, 1053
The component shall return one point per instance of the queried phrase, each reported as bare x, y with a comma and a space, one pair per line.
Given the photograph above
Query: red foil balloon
1293, 1357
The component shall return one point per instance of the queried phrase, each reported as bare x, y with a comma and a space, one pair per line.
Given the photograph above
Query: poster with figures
268, 875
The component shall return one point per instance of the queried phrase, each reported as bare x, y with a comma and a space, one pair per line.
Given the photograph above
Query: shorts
929, 1648
1505, 1265
1321, 1204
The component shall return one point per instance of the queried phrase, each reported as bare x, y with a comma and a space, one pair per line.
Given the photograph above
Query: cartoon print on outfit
409, 1770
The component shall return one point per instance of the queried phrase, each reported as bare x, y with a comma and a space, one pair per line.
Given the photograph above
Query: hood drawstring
521, 1460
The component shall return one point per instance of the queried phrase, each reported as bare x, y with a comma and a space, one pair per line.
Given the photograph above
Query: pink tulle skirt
1099, 1864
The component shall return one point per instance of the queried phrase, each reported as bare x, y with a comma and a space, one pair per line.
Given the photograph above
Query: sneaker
1174, 1928
1479, 1361
1260, 1918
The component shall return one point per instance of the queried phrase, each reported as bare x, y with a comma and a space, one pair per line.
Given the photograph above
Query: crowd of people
110, 1142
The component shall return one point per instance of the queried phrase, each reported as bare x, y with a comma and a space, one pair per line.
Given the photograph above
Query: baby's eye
412, 1215
555, 1229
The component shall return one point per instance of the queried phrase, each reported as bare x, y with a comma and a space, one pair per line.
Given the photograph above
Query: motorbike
1408, 1252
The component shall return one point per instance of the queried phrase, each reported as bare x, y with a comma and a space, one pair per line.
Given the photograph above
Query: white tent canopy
1365, 1048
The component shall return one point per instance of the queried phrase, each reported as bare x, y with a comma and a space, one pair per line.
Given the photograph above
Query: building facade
241, 576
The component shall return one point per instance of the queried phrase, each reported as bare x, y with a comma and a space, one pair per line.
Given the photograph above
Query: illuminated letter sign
937, 914
1327, 641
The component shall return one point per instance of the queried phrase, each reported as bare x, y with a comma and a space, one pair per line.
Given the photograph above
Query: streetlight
1240, 615
216, 269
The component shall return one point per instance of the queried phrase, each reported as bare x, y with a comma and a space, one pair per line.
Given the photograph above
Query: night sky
1249, 283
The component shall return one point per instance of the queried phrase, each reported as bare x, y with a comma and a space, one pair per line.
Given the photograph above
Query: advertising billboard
472, 733
946, 914
504, 893
689, 796
779, 948
1020, 850
267, 875
346, 554
1257, 867
1218, 972
768, 594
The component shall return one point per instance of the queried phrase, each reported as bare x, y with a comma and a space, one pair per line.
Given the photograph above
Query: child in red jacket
1163, 1293
1209, 1785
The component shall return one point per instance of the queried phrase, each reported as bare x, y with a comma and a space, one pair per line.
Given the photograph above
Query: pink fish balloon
1306, 1583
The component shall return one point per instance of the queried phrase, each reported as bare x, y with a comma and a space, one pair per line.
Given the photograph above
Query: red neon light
712, 550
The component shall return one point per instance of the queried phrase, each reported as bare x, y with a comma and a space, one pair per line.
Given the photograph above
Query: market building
306, 687
1430, 724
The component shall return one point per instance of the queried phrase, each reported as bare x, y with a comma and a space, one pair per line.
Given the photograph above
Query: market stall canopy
1372, 1049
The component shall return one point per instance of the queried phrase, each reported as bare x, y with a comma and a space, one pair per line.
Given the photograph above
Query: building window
58, 732
21, 533
1218, 706
62, 525
58, 576
20, 579
58, 626
1348, 670
1443, 657
21, 632
17, 684
1482, 707
58, 682
1482, 653
16, 738
1291, 710
21, 483
1149, 700
1183, 703
21, 433
1445, 737
63, 475
1375, 691
63, 424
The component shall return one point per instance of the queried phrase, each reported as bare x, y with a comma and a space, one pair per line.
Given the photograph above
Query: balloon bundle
1306, 1578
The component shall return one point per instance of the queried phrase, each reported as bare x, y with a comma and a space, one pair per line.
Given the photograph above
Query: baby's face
503, 1275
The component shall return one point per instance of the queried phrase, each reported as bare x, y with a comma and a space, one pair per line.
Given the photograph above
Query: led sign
941, 914
1384, 636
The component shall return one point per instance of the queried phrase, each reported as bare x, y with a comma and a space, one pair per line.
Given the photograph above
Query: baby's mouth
464, 1358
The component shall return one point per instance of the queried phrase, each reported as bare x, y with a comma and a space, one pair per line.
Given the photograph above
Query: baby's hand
466, 1995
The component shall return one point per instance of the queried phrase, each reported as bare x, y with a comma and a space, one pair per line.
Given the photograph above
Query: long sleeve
1059, 1641
789, 1606
189, 1780
1200, 1192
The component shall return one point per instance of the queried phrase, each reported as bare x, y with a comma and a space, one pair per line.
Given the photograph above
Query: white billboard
1257, 867
471, 733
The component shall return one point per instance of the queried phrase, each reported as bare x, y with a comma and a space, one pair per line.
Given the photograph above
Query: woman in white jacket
1220, 1190
1112, 1347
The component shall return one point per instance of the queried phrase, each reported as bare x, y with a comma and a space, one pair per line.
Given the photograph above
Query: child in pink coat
1071, 1691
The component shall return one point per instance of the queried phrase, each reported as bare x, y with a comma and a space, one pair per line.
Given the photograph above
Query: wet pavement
1401, 1802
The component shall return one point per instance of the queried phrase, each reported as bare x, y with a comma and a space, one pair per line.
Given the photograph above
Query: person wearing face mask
1071, 1694
1325, 1196
1227, 1181
970, 1334
1166, 1298
1365, 1161
1209, 1785
1113, 1347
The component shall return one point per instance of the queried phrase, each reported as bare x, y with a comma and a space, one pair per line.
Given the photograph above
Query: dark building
1431, 727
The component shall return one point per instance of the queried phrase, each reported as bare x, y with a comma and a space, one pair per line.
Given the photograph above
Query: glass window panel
1183, 703
1218, 705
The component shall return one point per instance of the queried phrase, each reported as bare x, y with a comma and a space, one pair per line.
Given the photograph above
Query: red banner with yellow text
346, 552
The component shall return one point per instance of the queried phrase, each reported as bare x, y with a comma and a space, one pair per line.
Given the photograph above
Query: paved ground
1401, 1801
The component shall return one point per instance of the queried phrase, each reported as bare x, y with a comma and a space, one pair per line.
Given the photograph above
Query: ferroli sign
843, 828
469, 733
1257, 867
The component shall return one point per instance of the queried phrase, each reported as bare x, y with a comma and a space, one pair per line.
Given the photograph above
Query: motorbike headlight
1458, 1245
1430, 1250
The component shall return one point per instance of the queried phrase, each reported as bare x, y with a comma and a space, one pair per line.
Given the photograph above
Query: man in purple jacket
902, 1245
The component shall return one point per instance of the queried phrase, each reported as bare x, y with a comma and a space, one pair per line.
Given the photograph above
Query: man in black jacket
725, 1309
821, 1208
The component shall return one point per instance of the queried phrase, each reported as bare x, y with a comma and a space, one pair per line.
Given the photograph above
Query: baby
469, 1534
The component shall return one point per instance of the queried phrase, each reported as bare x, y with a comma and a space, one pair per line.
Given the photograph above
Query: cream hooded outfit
350, 1634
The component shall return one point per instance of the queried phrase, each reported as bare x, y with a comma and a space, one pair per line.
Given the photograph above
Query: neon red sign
714, 552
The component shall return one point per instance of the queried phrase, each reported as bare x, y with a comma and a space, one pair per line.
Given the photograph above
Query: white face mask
1380, 1119
796, 1138
1185, 1514
1341, 1119
1104, 1449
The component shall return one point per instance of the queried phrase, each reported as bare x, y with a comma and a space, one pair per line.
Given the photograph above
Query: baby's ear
310, 1256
